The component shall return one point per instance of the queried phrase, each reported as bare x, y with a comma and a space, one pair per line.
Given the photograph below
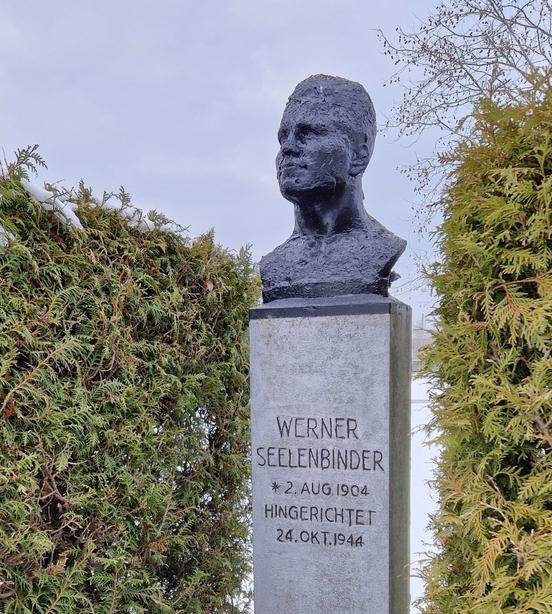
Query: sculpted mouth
285, 166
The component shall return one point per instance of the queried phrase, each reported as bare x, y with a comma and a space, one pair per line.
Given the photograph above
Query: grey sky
180, 101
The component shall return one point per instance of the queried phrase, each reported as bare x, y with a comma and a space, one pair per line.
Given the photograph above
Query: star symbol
275, 487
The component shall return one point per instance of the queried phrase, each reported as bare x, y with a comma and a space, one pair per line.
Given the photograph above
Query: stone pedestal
330, 382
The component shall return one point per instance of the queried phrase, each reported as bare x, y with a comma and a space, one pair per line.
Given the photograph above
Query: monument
330, 378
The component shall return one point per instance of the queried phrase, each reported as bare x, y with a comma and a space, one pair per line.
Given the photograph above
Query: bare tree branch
467, 51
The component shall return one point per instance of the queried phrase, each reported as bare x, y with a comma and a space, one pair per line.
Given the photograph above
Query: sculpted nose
290, 147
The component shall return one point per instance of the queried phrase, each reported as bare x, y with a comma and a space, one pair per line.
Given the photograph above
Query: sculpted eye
306, 130
282, 135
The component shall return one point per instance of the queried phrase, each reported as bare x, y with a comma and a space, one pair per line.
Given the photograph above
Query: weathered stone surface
330, 454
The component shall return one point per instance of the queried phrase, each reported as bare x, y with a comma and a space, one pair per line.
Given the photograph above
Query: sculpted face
326, 139
315, 153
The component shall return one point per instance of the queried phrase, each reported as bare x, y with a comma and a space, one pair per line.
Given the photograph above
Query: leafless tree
465, 52
470, 50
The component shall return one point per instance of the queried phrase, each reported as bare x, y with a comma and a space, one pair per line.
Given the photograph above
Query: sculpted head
336, 248
326, 139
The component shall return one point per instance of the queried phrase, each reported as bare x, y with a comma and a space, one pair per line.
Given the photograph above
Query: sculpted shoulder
356, 262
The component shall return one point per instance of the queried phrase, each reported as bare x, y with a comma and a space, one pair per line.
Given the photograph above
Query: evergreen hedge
124, 420
491, 368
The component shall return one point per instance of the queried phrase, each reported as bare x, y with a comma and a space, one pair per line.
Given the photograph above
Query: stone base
330, 387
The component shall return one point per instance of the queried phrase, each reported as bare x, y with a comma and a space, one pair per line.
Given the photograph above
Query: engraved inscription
329, 513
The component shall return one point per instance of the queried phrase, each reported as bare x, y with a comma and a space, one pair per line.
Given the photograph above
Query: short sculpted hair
346, 102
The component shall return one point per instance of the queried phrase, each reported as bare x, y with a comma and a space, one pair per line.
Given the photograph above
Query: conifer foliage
123, 414
491, 367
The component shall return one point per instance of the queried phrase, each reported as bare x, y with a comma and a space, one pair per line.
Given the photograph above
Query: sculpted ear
361, 157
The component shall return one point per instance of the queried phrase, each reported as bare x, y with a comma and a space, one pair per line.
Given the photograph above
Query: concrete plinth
330, 382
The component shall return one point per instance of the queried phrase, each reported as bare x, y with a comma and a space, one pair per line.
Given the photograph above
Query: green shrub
124, 420
491, 367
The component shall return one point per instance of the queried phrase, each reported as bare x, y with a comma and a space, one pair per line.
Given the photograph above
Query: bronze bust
326, 140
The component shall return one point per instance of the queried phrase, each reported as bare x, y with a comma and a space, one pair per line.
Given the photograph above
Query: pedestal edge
352, 304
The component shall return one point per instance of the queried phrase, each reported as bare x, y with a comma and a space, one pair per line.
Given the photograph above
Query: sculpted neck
324, 215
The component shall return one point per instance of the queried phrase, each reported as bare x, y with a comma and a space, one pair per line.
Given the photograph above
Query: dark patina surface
326, 139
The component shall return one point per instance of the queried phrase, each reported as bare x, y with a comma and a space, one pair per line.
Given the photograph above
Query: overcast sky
179, 101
